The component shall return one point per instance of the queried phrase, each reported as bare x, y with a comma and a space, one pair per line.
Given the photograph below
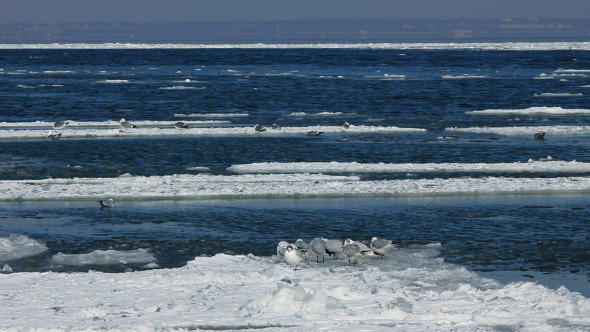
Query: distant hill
329, 30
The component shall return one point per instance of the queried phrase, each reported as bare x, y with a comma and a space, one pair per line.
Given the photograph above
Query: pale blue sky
151, 11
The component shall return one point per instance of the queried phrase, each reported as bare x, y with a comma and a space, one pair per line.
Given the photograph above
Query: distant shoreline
455, 30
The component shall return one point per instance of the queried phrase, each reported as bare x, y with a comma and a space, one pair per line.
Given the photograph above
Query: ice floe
19, 246
105, 124
523, 46
171, 131
412, 289
539, 110
105, 257
524, 130
211, 115
545, 166
209, 186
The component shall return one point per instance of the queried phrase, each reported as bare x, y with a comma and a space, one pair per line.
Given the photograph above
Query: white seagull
109, 203
60, 125
292, 257
53, 135
125, 124
353, 252
334, 247
282, 247
319, 248
381, 246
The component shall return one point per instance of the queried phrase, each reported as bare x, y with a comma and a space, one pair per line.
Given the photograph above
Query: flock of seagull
295, 253
260, 128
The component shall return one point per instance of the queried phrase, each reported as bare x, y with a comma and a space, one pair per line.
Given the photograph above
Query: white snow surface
209, 186
524, 130
539, 110
18, 246
355, 167
412, 289
148, 130
386, 46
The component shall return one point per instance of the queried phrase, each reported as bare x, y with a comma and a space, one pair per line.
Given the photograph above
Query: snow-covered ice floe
18, 246
522, 46
105, 124
524, 130
170, 131
412, 289
540, 110
105, 257
549, 166
209, 186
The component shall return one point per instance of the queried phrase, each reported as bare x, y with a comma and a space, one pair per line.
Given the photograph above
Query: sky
166, 11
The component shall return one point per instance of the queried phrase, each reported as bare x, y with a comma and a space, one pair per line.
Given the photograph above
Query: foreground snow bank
412, 289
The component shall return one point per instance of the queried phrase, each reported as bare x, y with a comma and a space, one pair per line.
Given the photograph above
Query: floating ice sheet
524, 130
208, 186
105, 124
412, 289
169, 131
19, 246
520, 46
354, 167
541, 110
105, 257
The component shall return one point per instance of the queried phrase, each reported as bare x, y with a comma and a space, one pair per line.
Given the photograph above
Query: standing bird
58, 125
181, 125
540, 136
334, 248
109, 203
319, 248
345, 125
125, 124
353, 252
302, 245
276, 126
292, 257
53, 135
282, 247
381, 246
258, 127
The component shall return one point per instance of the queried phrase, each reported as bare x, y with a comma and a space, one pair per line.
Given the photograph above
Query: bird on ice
282, 247
345, 125
53, 135
314, 133
381, 246
109, 203
293, 257
60, 125
276, 126
319, 248
334, 247
181, 125
126, 124
258, 127
540, 136
353, 252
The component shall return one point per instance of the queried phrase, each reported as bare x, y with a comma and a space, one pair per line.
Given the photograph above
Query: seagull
125, 124
302, 245
381, 246
292, 257
353, 252
314, 133
540, 136
334, 247
282, 247
109, 203
365, 250
259, 127
319, 248
181, 125
53, 135
60, 125
345, 125
276, 126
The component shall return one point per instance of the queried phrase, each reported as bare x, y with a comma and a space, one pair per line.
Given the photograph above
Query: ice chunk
105, 257
19, 246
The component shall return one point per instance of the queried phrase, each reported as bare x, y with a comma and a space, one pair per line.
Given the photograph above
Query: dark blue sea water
419, 88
